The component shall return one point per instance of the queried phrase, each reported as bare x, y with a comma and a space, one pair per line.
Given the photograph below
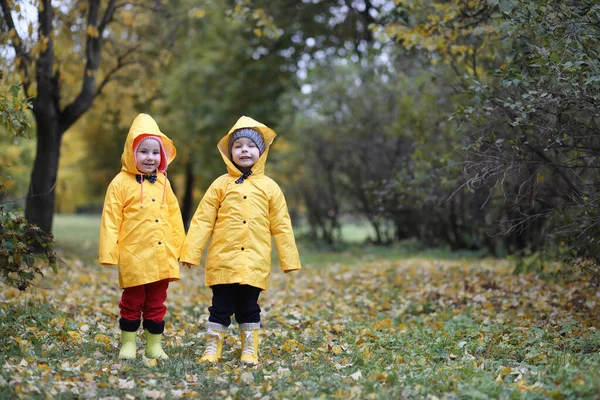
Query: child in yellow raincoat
142, 231
241, 210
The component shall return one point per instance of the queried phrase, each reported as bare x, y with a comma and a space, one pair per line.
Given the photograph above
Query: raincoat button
159, 242
242, 249
153, 199
244, 221
156, 220
244, 196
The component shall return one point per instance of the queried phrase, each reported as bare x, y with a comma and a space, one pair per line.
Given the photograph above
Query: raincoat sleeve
176, 220
201, 226
110, 225
281, 230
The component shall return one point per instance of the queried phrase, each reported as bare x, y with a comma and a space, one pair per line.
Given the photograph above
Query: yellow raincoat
242, 218
142, 228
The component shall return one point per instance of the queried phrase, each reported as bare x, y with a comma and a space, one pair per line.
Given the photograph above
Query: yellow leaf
257, 32
383, 324
151, 363
291, 345
197, 13
75, 336
101, 338
541, 178
127, 18
92, 31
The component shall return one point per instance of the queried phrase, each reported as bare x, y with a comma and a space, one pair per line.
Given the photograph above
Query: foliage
528, 71
462, 34
538, 140
20, 258
13, 109
72, 186
15, 150
384, 328
378, 133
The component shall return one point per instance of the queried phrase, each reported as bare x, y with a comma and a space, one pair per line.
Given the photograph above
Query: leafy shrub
20, 258
25, 249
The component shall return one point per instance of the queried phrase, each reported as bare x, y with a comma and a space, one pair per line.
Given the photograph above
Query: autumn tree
93, 40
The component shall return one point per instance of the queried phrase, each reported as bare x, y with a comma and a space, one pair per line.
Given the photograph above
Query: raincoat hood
268, 135
144, 125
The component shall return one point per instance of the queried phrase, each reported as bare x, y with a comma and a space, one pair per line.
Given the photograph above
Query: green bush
25, 250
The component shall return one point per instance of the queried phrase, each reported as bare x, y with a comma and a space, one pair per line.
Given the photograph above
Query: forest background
461, 126
467, 124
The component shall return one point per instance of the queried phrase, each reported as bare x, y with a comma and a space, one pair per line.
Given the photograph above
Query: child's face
244, 152
148, 156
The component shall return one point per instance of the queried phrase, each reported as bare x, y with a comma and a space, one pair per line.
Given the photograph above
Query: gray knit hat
251, 134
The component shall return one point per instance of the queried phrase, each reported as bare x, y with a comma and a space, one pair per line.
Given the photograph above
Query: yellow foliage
291, 345
101, 338
92, 31
383, 324
71, 185
127, 18
197, 13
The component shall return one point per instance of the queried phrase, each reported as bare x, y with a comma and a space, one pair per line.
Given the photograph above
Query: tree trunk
39, 207
188, 196
51, 121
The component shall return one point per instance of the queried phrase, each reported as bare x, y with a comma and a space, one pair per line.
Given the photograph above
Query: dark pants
234, 298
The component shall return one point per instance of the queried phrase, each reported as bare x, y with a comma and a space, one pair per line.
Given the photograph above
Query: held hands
187, 264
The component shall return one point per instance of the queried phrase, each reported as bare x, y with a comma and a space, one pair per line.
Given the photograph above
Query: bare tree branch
92, 53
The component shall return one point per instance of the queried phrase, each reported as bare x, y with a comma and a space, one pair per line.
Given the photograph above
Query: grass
78, 234
358, 323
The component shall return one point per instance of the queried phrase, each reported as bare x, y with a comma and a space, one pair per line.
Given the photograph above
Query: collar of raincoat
268, 135
144, 124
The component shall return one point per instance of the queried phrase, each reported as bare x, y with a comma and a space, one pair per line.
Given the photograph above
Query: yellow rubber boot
154, 349
128, 346
249, 337
215, 336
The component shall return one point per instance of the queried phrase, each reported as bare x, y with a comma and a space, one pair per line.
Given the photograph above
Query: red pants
146, 299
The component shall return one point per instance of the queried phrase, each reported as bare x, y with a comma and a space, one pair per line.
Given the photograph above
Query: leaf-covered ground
411, 328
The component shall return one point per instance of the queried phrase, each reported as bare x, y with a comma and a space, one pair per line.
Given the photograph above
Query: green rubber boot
153, 348
128, 346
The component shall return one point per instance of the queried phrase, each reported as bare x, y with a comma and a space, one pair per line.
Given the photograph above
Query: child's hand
289, 270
